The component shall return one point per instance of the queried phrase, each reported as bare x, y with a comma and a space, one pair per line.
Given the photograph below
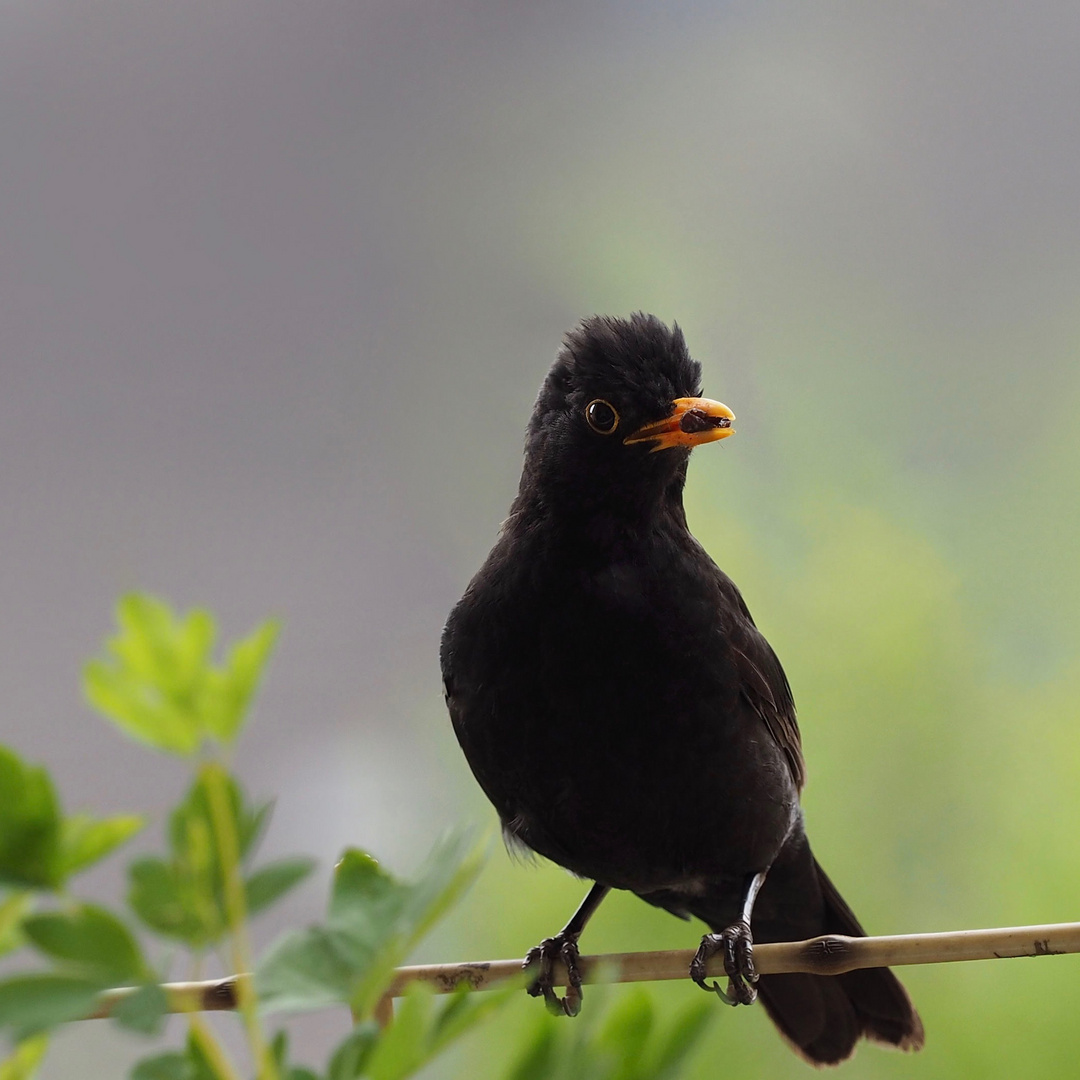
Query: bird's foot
560, 947
737, 945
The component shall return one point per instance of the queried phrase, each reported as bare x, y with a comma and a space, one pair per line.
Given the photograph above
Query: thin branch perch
831, 954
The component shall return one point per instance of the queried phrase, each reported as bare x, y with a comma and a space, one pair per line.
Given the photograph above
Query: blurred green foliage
623, 1044
40, 848
182, 896
159, 684
373, 923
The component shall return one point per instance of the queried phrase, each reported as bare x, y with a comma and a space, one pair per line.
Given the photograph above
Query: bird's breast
601, 712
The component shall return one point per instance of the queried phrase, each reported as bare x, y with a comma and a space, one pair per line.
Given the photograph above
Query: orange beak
693, 421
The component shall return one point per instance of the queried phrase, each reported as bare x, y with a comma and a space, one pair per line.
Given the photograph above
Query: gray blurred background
278, 282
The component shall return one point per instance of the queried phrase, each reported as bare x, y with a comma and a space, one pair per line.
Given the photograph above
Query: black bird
622, 712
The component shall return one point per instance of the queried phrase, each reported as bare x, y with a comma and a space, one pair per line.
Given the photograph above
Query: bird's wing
765, 687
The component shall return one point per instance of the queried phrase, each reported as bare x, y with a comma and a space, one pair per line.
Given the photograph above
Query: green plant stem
212, 1050
236, 912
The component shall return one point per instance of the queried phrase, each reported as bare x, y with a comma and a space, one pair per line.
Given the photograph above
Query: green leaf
237, 682
374, 920
271, 882
349, 1059
158, 682
143, 1011
279, 1049
465, 1009
626, 1032
138, 711
29, 826
33, 1003
626, 1044
85, 840
183, 897
384, 918
12, 912
402, 1049
23, 1063
537, 1062
681, 1039
89, 939
304, 970
39, 848
168, 901
194, 816
425, 1024
168, 1066
251, 823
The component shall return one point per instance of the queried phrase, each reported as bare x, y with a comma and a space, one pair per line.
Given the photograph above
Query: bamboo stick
831, 954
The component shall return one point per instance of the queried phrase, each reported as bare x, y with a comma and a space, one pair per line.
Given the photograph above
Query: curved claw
737, 945
564, 948
710, 945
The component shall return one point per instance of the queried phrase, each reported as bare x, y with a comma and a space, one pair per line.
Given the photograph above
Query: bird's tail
822, 1017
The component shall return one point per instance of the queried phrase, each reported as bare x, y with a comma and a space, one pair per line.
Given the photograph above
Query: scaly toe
710, 945
738, 947
546, 953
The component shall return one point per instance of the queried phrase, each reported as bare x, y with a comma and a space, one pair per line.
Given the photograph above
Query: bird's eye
602, 416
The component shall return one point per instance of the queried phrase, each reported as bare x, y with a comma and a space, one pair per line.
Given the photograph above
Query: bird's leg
563, 946
737, 945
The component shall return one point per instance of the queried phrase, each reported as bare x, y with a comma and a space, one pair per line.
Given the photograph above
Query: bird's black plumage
615, 700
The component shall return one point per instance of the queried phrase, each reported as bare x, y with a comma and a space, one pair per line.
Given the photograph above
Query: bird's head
617, 416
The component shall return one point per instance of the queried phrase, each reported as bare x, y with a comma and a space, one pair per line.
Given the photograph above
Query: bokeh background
278, 282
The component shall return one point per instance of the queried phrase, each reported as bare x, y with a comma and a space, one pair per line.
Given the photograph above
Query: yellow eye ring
602, 416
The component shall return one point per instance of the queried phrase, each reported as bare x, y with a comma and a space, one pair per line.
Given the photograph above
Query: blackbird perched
621, 710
